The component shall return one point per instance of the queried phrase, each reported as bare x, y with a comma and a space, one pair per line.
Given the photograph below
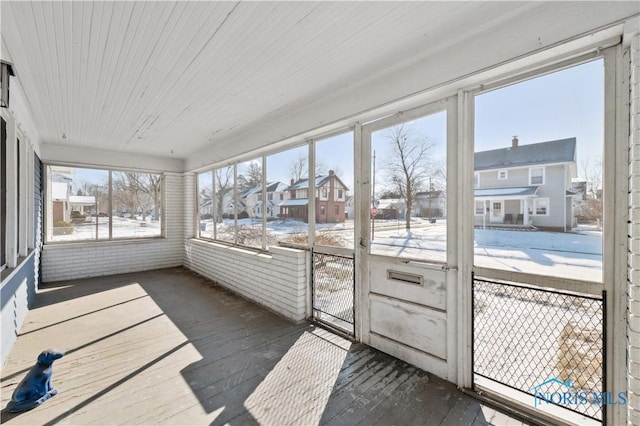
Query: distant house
330, 199
525, 185
431, 204
392, 208
252, 199
63, 203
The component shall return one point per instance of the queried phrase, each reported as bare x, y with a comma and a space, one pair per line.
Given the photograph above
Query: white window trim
544, 172
110, 238
506, 174
534, 203
476, 208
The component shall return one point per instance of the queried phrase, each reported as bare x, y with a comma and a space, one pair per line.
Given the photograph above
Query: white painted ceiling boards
176, 79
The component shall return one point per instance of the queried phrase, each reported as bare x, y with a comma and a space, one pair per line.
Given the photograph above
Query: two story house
276, 194
526, 185
330, 199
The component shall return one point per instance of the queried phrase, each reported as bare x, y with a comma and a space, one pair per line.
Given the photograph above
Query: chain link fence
546, 343
333, 290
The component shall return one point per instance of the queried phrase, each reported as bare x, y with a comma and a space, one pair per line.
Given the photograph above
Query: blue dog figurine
35, 388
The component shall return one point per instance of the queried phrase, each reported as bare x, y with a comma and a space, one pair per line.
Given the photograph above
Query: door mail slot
405, 277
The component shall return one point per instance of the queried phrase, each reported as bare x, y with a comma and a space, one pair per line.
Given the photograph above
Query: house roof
506, 192
558, 151
276, 187
295, 202
320, 180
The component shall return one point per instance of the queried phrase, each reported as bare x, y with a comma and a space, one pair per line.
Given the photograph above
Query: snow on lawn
576, 255
122, 228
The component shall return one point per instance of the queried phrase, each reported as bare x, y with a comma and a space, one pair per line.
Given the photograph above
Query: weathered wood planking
432, 292
413, 325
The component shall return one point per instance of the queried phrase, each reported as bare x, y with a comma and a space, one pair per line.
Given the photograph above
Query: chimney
331, 172
292, 182
514, 142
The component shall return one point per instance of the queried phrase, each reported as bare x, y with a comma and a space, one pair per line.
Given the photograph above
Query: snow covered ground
122, 228
576, 255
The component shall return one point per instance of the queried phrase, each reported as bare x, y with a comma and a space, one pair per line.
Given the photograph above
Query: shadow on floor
250, 366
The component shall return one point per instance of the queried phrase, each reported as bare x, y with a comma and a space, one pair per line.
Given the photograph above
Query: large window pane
287, 199
78, 205
409, 189
137, 204
546, 216
334, 191
250, 203
205, 205
224, 180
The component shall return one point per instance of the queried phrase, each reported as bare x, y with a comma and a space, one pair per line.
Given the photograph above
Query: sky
567, 103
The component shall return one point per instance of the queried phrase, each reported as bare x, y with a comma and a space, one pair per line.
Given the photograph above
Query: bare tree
591, 208
138, 191
408, 167
592, 174
150, 184
224, 184
299, 169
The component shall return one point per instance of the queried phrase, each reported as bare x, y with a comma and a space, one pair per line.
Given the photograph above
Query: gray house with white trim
526, 185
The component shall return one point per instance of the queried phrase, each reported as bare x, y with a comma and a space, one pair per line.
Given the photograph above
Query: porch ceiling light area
505, 192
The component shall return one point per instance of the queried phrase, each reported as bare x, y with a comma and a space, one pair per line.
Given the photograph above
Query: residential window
536, 176
479, 208
224, 195
476, 180
335, 167
561, 145
285, 170
94, 204
205, 205
409, 167
539, 207
502, 175
250, 200
270, 196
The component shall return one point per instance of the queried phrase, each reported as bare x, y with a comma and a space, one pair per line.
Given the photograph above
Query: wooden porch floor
170, 347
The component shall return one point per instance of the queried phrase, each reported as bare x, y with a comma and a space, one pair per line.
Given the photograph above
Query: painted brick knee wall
71, 261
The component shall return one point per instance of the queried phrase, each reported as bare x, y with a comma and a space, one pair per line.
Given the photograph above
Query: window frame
501, 176
482, 208
531, 176
110, 239
534, 207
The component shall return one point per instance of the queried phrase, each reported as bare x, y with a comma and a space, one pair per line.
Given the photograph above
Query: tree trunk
407, 217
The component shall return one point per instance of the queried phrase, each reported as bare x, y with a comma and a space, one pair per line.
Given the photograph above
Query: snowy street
576, 255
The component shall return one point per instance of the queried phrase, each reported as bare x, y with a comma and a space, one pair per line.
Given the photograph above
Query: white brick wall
70, 261
633, 323
276, 280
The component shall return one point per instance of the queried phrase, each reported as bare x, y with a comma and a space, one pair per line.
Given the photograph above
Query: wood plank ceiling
170, 78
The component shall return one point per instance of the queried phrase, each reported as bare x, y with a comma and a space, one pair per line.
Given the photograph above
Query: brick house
330, 199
